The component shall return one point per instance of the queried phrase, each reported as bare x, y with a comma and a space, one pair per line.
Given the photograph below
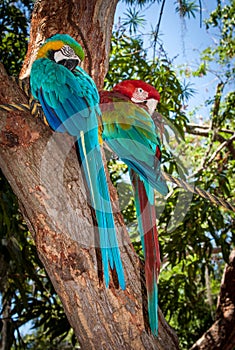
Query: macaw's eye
139, 95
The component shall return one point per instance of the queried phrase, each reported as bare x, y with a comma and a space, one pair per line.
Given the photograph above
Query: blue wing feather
50, 114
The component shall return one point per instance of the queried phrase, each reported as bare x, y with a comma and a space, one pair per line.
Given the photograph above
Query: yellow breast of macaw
125, 116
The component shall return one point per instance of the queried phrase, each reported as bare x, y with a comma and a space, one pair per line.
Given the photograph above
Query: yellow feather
51, 45
100, 130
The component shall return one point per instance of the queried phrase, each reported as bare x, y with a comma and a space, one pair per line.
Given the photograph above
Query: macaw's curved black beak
70, 63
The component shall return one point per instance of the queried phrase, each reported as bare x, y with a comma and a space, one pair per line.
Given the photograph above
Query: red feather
151, 244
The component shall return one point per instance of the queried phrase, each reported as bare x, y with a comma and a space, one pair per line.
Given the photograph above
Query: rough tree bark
221, 335
43, 171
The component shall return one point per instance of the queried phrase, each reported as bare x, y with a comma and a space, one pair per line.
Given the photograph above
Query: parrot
129, 131
70, 101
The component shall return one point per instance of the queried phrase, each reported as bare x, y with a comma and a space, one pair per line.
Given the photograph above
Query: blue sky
183, 40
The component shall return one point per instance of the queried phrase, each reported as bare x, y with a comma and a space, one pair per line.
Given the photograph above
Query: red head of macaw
139, 92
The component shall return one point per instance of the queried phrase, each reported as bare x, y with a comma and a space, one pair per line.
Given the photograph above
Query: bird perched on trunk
70, 101
129, 131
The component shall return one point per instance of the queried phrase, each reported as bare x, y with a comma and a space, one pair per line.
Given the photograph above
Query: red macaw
128, 129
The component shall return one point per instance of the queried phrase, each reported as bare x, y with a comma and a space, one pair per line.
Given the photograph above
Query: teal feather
153, 308
70, 101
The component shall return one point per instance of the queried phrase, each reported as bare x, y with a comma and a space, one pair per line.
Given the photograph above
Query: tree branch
156, 32
203, 130
219, 149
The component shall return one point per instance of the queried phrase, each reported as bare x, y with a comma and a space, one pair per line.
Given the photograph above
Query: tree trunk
221, 335
43, 171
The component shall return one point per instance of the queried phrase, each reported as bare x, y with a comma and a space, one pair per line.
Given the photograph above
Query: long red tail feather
149, 237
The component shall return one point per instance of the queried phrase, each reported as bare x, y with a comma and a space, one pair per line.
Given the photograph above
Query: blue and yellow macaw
70, 101
129, 131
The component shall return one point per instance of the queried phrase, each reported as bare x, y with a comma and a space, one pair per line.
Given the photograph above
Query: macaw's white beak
152, 105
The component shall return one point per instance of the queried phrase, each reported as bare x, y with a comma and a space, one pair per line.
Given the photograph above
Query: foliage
133, 20
183, 7
39, 341
187, 8
140, 2
225, 20
14, 18
190, 313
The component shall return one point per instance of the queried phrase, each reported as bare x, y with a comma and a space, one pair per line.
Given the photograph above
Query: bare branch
157, 30
224, 144
203, 130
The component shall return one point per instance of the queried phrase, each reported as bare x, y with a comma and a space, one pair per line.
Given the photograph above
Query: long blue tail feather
153, 309
97, 183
